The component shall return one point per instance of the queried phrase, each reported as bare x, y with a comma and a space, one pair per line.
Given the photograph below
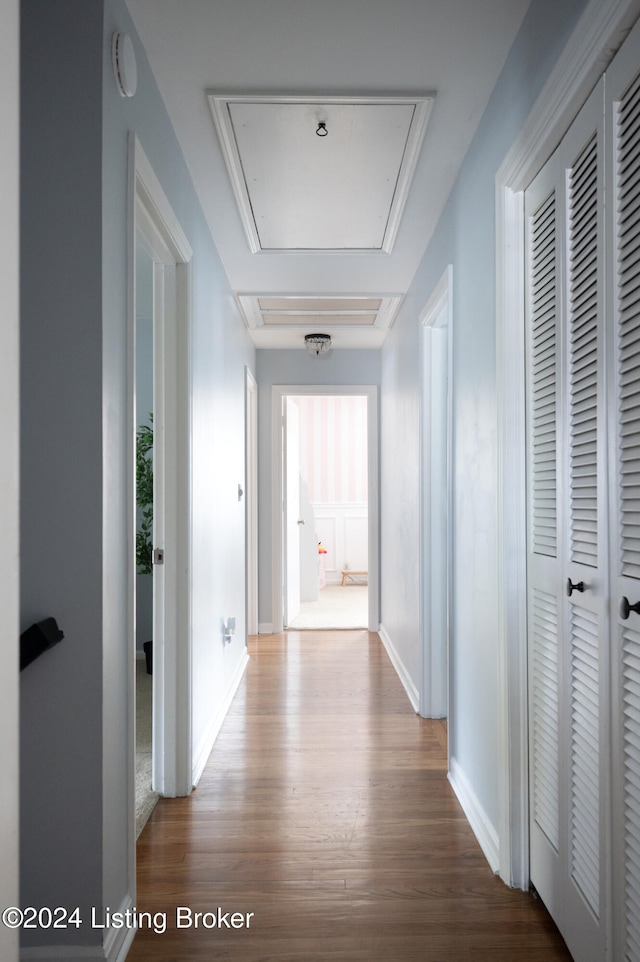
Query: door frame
436, 489
151, 218
9, 472
291, 512
251, 500
598, 34
278, 393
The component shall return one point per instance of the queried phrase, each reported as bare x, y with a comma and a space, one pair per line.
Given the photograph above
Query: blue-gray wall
464, 238
76, 827
61, 534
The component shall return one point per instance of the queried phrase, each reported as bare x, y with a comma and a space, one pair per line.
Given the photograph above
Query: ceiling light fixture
317, 344
321, 129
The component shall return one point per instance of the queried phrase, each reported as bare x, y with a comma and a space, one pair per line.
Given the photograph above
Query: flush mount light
124, 64
317, 344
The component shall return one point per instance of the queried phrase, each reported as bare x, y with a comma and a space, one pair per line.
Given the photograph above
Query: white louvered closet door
623, 348
568, 650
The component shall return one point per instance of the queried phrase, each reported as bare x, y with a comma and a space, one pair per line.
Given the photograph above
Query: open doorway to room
158, 381
326, 511
146, 797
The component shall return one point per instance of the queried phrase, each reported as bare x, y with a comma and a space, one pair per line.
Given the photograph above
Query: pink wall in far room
333, 448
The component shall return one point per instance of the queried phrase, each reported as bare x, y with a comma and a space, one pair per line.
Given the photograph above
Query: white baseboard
118, 941
265, 628
62, 953
208, 740
401, 671
482, 827
115, 947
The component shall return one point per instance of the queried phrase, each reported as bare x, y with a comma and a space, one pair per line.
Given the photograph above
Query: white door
292, 509
623, 310
568, 646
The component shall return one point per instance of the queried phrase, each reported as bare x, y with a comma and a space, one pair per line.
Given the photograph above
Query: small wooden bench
348, 573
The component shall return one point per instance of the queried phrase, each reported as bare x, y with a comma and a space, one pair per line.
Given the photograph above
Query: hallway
325, 810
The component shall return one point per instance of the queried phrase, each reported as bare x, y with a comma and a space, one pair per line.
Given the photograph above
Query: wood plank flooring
325, 810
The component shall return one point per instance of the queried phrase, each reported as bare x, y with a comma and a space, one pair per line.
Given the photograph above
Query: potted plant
144, 497
144, 501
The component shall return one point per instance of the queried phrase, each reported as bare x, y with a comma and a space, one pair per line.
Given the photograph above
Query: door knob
574, 586
300, 520
626, 608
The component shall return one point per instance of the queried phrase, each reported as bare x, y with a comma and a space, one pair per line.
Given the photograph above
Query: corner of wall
478, 819
401, 670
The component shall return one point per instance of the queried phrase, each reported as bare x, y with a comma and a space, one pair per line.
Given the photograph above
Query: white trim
156, 202
278, 392
434, 684
117, 942
219, 104
9, 468
597, 36
251, 501
513, 784
201, 755
475, 814
385, 314
403, 674
63, 953
152, 218
265, 628
114, 948
593, 44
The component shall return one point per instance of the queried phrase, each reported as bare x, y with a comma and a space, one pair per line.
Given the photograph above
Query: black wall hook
37, 639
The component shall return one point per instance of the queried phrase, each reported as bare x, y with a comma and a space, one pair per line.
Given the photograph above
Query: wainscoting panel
342, 529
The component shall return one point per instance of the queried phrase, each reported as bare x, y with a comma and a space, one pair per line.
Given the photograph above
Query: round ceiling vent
124, 64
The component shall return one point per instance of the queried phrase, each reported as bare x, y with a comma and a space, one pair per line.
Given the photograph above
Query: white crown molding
592, 46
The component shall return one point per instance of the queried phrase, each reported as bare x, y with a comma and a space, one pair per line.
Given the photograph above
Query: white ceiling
275, 59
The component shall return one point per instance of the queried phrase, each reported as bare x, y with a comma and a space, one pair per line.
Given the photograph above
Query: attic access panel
298, 191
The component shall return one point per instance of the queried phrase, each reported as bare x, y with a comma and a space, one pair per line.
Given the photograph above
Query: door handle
574, 586
300, 520
626, 608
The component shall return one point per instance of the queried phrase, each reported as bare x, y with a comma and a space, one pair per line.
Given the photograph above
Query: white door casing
153, 221
622, 114
292, 518
435, 499
251, 500
279, 391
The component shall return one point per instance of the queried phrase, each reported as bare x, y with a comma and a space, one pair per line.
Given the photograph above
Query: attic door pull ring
321, 129
574, 586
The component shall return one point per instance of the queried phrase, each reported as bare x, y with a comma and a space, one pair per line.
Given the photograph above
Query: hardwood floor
325, 811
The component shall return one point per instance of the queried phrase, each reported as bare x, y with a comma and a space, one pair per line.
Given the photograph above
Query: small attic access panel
282, 320
321, 175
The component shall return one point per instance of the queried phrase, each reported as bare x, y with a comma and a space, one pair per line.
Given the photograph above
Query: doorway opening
325, 507
326, 512
146, 797
155, 237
